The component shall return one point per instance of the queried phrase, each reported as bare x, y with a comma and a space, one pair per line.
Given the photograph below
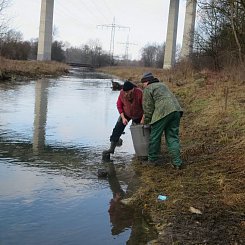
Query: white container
140, 136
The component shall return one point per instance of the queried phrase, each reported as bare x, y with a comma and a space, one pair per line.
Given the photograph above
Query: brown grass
213, 143
31, 68
213, 177
133, 73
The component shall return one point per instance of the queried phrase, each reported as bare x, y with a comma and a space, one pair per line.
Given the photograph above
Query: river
52, 134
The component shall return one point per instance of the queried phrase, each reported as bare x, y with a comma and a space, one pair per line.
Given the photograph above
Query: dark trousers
119, 128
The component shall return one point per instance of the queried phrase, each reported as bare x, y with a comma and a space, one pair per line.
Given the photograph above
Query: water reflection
120, 215
52, 133
41, 105
123, 217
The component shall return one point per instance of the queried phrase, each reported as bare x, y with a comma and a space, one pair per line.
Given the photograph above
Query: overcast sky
79, 21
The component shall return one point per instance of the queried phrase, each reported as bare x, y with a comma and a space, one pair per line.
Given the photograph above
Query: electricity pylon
113, 27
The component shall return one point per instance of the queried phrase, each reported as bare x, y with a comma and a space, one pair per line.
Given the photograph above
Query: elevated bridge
46, 25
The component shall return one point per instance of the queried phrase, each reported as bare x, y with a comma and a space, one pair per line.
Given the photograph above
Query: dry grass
213, 143
133, 73
213, 178
31, 68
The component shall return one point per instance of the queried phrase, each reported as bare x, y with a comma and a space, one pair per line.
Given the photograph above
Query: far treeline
219, 42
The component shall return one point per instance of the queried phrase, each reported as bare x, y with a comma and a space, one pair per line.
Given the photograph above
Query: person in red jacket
129, 105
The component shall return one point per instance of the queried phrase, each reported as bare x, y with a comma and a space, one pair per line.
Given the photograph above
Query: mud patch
215, 226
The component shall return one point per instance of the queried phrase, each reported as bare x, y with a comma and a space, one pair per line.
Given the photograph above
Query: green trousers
168, 125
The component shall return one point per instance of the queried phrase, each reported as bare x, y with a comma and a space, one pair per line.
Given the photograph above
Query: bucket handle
145, 127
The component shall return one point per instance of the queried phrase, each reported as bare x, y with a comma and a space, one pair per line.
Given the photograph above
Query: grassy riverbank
206, 199
206, 203
13, 69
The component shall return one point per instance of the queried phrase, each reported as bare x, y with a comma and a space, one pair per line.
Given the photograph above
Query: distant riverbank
13, 69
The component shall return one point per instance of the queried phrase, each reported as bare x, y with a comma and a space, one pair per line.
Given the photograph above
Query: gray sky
76, 21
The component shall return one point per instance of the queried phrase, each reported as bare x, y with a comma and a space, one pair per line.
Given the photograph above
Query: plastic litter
162, 197
195, 210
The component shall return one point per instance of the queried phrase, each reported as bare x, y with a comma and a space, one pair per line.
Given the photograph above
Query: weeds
213, 142
213, 178
15, 68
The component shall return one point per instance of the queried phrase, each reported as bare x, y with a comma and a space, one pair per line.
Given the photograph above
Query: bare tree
91, 54
236, 7
13, 46
57, 51
221, 32
152, 55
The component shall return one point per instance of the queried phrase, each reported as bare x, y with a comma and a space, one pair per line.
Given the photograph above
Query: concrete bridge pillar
170, 48
45, 30
189, 28
46, 27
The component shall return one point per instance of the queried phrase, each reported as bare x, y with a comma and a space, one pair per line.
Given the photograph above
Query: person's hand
142, 120
125, 121
117, 197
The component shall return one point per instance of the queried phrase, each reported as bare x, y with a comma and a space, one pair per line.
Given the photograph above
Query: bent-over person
163, 112
129, 105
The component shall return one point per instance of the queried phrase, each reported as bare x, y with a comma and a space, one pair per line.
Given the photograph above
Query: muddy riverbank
206, 198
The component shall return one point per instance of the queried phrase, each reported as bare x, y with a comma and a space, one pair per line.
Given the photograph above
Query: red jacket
132, 110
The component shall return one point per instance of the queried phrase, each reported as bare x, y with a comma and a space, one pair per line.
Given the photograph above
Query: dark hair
128, 86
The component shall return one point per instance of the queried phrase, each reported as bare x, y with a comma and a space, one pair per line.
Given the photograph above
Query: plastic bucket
140, 136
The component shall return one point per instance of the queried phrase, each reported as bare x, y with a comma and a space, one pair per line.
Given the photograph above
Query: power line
127, 47
99, 9
113, 27
108, 8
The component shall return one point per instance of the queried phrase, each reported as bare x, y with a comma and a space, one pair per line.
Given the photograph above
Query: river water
52, 134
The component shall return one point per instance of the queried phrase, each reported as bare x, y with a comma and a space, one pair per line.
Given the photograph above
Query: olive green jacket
158, 102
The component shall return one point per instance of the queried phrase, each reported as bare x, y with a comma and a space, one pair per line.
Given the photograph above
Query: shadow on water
52, 133
123, 217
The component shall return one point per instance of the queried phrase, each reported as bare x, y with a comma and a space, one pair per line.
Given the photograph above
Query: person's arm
124, 119
120, 110
141, 102
148, 106
142, 119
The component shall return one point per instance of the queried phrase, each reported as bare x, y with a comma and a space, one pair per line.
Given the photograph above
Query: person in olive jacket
163, 112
